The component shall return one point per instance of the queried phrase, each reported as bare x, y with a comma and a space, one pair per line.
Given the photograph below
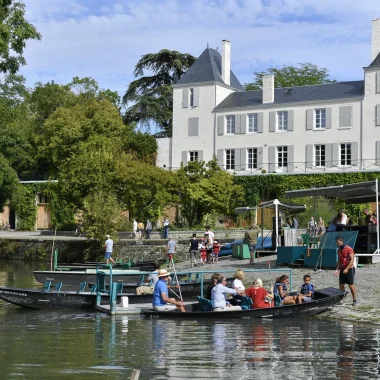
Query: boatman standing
345, 267
109, 247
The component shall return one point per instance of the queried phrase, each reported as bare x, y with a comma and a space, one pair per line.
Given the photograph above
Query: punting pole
176, 278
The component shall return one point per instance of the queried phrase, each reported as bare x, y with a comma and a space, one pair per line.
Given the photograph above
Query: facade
309, 129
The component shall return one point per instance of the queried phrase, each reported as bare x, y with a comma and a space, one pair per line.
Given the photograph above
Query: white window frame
191, 97
282, 121
193, 155
282, 156
230, 159
320, 155
320, 118
230, 124
345, 154
252, 158
253, 123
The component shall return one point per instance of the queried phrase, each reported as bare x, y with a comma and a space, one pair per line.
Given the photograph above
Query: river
90, 345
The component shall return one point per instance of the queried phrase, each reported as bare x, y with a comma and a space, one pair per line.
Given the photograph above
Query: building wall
164, 152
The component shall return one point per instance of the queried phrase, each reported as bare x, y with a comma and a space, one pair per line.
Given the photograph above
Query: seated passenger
259, 296
238, 282
307, 290
218, 296
148, 288
213, 282
281, 288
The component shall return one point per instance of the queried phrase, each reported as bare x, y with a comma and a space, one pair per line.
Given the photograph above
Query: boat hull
324, 299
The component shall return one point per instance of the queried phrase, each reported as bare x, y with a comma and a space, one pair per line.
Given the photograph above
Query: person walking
148, 228
166, 227
193, 250
108, 245
251, 239
134, 228
140, 229
171, 249
345, 267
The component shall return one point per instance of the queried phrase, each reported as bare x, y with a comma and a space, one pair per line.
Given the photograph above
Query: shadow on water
90, 345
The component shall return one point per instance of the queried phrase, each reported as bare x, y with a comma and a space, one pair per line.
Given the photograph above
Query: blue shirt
218, 295
284, 288
159, 288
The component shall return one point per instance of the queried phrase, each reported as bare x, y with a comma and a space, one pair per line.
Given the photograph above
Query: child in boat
238, 282
307, 290
281, 288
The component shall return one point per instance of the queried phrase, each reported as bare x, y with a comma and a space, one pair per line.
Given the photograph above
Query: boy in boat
307, 290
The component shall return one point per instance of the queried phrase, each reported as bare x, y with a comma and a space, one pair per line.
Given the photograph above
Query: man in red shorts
345, 267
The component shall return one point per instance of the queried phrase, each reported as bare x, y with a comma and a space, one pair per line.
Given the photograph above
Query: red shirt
344, 253
258, 295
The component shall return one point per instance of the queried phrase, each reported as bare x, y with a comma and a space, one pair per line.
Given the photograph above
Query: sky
104, 39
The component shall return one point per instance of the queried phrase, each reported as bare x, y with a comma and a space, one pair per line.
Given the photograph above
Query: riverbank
368, 296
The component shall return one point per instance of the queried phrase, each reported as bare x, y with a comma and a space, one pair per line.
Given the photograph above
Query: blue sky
104, 39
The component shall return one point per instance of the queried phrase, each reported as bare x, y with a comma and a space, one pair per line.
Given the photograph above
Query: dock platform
134, 309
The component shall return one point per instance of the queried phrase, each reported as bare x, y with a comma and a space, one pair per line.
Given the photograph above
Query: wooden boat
323, 300
39, 299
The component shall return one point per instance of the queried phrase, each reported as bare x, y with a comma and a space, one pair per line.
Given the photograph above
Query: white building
319, 128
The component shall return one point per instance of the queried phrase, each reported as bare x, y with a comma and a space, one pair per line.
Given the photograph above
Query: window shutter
220, 125
237, 124
328, 156
310, 119
200, 155
377, 115
309, 155
290, 120
196, 97
260, 122
243, 159
377, 162
378, 82
272, 121
345, 116
243, 123
184, 158
185, 98
328, 117
193, 126
291, 158
221, 158
271, 159
354, 153
238, 159
260, 158
335, 153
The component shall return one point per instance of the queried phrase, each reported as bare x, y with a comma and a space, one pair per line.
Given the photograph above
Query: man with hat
109, 246
161, 301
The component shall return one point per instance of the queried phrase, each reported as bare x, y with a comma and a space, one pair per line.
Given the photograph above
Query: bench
205, 304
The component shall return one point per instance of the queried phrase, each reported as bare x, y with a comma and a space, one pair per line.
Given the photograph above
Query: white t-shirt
237, 284
211, 235
109, 245
134, 226
153, 278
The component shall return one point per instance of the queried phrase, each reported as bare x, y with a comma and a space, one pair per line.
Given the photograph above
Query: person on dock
260, 297
134, 228
171, 249
152, 279
251, 239
218, 296
108, 245
140, 229
345, 267
148, 228
166, 227
307, 290
193, 250
161, 301
215, 252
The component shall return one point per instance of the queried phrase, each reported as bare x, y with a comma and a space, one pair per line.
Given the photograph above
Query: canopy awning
362, 192
293, 208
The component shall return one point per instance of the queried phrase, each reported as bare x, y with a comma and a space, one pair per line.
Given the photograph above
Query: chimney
375, 38
226, 61
268, 89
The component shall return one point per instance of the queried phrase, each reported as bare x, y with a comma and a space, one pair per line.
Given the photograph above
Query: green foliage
24, 201
291, 76
150, 98
14, 32
8, 181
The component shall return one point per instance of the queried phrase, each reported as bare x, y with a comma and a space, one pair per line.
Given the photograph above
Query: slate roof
208, 68
340, 90
375, 62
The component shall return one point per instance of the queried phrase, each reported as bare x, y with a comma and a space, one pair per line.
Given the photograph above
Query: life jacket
277, 284
305, 289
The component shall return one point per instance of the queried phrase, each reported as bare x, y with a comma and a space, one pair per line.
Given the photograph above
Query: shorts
108, 255
146, 289
347, 278
252, 247
167, 307
307, 299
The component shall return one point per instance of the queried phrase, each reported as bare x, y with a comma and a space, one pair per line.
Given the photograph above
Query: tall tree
149, 99
14, 32
290, 76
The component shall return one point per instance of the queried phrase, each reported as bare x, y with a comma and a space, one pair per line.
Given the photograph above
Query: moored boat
323, 300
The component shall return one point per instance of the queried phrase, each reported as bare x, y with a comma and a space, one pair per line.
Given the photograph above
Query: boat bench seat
277, 300
205, 304
245, 302
47, 286
82, 286
58, 286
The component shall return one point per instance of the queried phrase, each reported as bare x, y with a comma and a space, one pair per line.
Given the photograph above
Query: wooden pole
135, 374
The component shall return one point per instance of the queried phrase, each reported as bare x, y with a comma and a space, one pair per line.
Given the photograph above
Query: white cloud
106, 39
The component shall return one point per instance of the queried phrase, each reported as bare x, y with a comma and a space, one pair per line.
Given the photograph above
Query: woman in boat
281, 288
213, 282
260, 297
238, 282
218, 296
